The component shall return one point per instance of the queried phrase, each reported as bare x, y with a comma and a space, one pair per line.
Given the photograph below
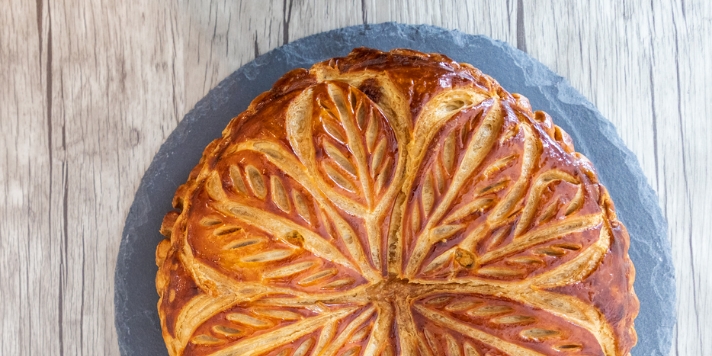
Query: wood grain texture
90, 90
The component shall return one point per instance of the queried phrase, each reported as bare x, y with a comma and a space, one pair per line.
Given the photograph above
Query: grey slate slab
135, 298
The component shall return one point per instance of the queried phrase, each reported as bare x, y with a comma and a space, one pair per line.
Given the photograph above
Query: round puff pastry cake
394, 203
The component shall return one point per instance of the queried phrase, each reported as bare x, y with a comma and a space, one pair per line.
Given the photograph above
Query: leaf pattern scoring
349, 213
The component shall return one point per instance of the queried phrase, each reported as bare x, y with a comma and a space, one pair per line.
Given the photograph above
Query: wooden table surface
90, 89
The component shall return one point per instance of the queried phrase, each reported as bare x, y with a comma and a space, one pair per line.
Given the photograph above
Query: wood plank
29, 253
95, 88
680, 77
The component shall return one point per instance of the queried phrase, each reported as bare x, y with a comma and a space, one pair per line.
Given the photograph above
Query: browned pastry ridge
394, 203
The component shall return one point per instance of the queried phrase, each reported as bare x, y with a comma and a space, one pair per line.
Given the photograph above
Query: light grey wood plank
681, 77
29, 255
112, 104
96, 87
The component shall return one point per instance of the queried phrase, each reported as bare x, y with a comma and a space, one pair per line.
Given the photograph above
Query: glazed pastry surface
394, 203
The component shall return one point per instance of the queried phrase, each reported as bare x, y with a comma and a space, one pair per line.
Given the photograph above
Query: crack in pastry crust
394, 203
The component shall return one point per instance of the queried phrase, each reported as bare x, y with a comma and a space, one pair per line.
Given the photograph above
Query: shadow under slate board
137, 320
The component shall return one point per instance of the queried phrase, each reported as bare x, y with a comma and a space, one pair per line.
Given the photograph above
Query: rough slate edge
135, 299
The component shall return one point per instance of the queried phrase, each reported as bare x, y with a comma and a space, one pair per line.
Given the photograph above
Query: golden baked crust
394, 203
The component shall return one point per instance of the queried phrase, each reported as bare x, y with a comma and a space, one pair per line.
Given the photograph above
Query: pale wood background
90, 89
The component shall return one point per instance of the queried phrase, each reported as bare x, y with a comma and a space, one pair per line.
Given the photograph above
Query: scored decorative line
463, 305
339, 283
334, 130
352, 351
538, 334
456, 325
226, 331
248, 320
289, 270
361, 334
236, 179
317, 277
470, 350
226, 229
576, 312
303, 349
282, 228
195, 313
379, 340
340, 158
377, 156
540, 183
300, 203
498, 236
279, 195
576, 201
549, 212
448, 153
451, 346
490, 310
336, 344
431, 342
480, 144
287, 164
568, 347
337, 177
547, 233
529, 159
256, 181
244, 242
383, 174
477, 205
427, 195
267, 341
277, 314
268, 256
499, 165
206, 340
407, 334
579, 267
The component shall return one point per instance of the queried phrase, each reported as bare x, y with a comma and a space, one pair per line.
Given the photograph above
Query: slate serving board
137, 322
